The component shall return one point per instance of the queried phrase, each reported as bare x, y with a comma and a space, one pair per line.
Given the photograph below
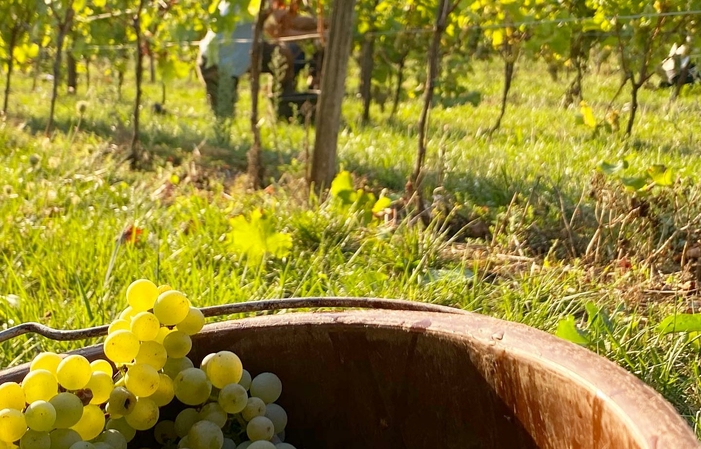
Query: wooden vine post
255, 166
328, 115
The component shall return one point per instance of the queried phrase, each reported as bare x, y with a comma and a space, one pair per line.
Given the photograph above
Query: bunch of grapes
71, 403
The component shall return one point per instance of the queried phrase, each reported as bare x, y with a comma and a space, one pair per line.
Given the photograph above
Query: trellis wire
243, 307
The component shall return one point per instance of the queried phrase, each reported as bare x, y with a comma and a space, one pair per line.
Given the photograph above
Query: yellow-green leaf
587, 114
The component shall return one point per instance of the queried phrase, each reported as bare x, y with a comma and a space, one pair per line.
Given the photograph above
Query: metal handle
242, 307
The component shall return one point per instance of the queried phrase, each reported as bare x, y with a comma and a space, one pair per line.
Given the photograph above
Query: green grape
164, 288
205, 361
233, 398
112, 437
165, 393
228, 444
164, 432
277, 415
175, 366
205, 435
11, 396
284, 446
82, 445
162, 333
128, 313
144, 416
192, 387
193, 322
122, 401
244, 445
91, 423
184, 442
266, 386
245, 381
145, 326
102, 366
260, 428
103, 445
40, 416
254, 407
63, 438
122, 426
152, 353
261, 444
121, 346
12, 425
46, 360
185, 420
215, 413
141, 294
35, 440
119, 325
177, 344
171, 308
142, 379
101, 386
73, 373
69, 409
39, 385
224, 368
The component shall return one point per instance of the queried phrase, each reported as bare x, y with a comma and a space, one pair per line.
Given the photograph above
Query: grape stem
243, 307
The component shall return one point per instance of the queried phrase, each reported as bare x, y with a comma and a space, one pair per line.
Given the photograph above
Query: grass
66, 201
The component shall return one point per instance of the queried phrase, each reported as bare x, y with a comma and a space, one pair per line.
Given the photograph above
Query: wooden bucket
413, 379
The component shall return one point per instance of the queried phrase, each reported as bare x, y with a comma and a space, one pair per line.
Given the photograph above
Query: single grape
260, 428
145, 326
192, 387
128, 313
144, 416
228, 444
244, 445
91, 423
112, 437
215, 413
261, 444
40, 416
82, 445
73, 373
175, 366
12, 425
205, 435
275, 440
233, 398
46, 360
277, 415
69, 409
184, 442
119, 325
185, 420
164, 432
142, 379
165, 392
39, 385
121, 346
63, 438
122, 401
177, 344
11, 396
35, 440
193, 322
171, 308
152, 353
142, 294
266, 386
245, 381
224, 368
102, 366
254, 407
164, 288
100, 386
122, 426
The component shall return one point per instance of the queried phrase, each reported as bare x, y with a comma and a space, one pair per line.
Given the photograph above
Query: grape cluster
71, 403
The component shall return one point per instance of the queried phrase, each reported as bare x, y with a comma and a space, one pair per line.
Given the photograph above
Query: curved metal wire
243, 307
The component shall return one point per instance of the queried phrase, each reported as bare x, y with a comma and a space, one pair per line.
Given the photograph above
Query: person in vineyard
223, 59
